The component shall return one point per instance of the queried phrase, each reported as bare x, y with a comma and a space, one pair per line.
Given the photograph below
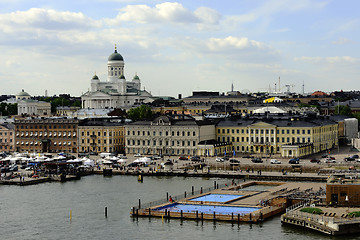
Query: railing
296, 206
178, 197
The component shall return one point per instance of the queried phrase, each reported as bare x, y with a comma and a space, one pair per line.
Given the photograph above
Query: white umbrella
89, 162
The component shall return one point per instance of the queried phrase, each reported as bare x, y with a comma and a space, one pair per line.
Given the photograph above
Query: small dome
95, 77
115, 57
122, 76
136, 77
23, 93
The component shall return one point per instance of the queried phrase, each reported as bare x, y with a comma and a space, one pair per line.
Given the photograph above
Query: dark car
195, 159
314, 160
349, 159
183, 158
324, 156
133, 164
294, 161
234, 162
248, 156
256, 160
14, 168
93, 153
355, 156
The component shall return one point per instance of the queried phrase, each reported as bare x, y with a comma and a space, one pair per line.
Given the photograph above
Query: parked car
324, 156
256, 160
218, 159
93, 153
349, 159
14, 168
156, 157
329, 160
195, 159
314, 160
137, 155
234, 162
275, 161
355, 156
122, 157
133, 164
248, 156
183, 158
294, 161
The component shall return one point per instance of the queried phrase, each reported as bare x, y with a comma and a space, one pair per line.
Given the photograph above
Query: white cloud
37, 18
342, 41
330, 60
168, 12
230, 43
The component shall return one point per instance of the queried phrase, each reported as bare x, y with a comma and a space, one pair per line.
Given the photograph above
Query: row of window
39, 143
160, 143
116, 141
266, 131
160, 133
45, 134
265, 140
120, 133
46, 126
6, 133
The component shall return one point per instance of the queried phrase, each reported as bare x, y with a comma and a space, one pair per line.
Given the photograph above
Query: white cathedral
116, 92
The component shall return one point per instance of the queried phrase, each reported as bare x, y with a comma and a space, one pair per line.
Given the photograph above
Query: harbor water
75, 210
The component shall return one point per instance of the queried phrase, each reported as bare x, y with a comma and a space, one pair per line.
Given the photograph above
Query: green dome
23, 93
115, 57
95, 77
122, 77
136, 77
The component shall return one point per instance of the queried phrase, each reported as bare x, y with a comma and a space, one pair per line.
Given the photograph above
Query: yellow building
285, 136
101, 135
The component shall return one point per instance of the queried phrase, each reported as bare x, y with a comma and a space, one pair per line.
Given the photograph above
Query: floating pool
207, 209
216, 198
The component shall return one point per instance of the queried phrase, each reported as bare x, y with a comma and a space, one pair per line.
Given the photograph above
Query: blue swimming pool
216, 198
207, 209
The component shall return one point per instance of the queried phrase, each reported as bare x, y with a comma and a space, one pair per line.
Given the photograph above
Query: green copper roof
115, 57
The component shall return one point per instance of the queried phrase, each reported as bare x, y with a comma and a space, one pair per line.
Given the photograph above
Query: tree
8, 109
343, 110
140, 113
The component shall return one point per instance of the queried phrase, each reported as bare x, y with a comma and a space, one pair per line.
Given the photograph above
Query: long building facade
168, 135
284, 136
46, 135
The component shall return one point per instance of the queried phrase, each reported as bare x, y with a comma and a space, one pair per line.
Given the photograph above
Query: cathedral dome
23, 94
115, 57
95, 77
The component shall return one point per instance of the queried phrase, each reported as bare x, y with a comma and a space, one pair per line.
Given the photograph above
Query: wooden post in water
201, 190
181, 214
232, 217
250, 217
238, 218
106, 212
192, 190
197, 214
185, 194
202, 216
214, 184
139, 203
214, 217
149, 211
167, 196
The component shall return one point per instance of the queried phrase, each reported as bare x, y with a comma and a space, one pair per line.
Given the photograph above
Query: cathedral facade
115, 92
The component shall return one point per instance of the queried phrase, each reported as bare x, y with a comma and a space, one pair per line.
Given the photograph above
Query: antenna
279, 85
303, 88
232, 86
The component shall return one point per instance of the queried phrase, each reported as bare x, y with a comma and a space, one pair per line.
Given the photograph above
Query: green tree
140, 113
343, 110
8, 109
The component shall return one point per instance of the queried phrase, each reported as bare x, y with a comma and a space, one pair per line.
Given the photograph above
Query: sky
181, 46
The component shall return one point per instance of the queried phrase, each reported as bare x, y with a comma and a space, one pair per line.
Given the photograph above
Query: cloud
330, 60
171, 12
342, 41
47, 19
232, 43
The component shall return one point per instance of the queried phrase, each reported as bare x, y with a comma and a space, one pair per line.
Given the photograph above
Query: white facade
115, 92
167, 136
34, 107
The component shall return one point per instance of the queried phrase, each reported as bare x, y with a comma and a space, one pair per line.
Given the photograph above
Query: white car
220, 159
329, 160
275, 161
137, 155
